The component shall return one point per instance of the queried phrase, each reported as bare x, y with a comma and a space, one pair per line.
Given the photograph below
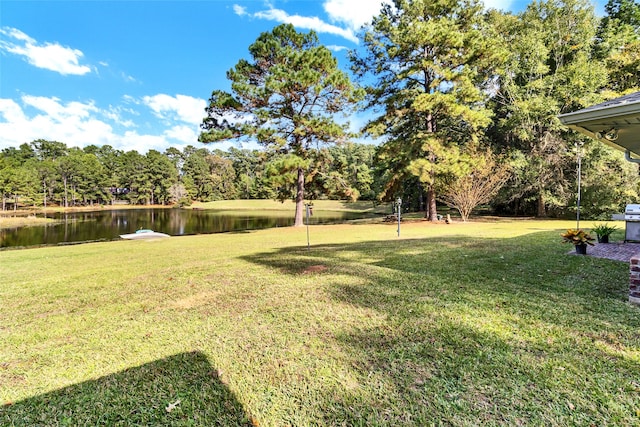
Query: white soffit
615, 122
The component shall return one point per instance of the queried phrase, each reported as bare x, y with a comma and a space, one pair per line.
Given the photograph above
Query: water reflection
109, 224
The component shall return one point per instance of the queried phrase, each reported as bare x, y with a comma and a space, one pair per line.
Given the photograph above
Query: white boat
143, 234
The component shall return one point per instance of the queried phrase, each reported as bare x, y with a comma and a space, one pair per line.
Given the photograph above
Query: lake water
110, 224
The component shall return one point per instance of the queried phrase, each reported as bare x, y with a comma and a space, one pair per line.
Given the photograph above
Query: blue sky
137, 74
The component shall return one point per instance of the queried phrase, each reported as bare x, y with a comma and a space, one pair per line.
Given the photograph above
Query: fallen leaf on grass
171, 406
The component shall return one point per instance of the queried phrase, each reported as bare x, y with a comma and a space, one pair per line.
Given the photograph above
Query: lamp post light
579, 154
399, 212
309, 212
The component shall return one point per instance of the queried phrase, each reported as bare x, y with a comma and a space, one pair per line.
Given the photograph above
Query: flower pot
581, 249
603, 239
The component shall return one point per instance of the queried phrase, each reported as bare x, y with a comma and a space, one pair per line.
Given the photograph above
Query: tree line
42, 173
464, 103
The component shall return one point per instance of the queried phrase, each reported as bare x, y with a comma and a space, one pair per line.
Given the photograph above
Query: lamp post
579, 154
399, 212
309, 209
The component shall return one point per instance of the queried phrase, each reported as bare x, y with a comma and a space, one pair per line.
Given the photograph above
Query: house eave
612, 112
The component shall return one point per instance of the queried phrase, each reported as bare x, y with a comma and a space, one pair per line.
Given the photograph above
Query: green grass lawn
322, 209
290, 206
485, 323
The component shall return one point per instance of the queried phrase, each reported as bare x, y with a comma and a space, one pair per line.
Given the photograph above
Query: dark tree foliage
618, 43
625, 12
44, 173
550, 70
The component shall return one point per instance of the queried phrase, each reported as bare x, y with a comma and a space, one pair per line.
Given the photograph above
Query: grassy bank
289, 206
22, 221
483, 323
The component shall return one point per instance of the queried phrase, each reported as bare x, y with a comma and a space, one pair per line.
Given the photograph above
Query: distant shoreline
22, 221
26, 217
57, 209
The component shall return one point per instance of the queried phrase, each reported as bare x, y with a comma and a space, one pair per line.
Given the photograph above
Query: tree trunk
422, 206
431, 193
66, 201
431, 203
299, 219
542, 209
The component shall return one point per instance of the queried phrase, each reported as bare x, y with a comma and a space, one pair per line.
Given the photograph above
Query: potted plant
603, 231
579, 238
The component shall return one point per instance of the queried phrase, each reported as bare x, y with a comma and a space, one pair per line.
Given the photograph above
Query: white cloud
132, 140
354, 14
58, 112
115, 114
74, 123
49, 56
304, 22
498, 4
336, 48
183, 108
239, 10
11, 111
132, 125
182, 133
79, 124
16, 34
128, 78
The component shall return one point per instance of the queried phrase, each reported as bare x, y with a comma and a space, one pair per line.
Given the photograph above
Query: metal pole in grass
578, 151
398, 211
309, 213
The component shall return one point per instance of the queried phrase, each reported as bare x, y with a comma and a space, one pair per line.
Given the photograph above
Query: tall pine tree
285, 98
432, 65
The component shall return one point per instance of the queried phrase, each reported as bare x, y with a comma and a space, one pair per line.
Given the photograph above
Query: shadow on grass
183, 389
535, 263
531, 276
477, 331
